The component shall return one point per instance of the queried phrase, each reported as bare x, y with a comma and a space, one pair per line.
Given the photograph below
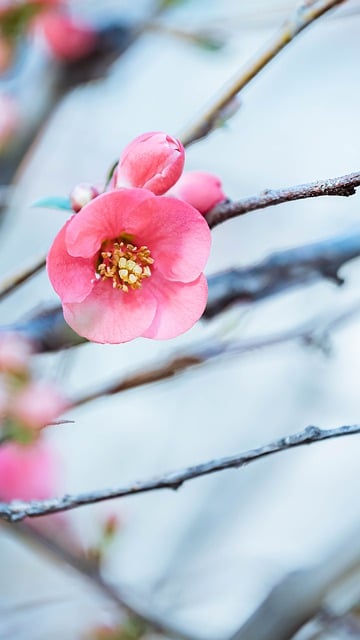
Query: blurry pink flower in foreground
9, 119
68, 39
37, 405
27, 472
130, 264
153, 161
15, 353
200, 189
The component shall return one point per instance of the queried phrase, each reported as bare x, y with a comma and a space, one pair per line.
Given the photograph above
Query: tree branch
302, 18
341, 186
282, 271
19, 278
18, 510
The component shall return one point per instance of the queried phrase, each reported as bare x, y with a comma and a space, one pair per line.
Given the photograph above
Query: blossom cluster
130, 262
27, 464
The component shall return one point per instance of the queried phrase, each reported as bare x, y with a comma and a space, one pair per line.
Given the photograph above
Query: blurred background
209, 553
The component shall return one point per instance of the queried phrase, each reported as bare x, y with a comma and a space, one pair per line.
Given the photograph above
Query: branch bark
341, 186
302, 18
18, 510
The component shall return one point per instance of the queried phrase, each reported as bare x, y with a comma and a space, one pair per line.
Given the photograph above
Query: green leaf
54, 202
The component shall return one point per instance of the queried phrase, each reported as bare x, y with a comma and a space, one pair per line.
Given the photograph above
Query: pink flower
81, 195
200, 189
66, 38
15, 353
37, 405
130, 264
152, 161
27, 473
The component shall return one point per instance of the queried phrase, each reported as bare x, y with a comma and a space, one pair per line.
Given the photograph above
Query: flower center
124, 263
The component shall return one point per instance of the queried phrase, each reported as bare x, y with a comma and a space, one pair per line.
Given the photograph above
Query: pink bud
67, 39
152, 161
6, 54
15, 353
200, 189
81, 195
27, 473
37, 405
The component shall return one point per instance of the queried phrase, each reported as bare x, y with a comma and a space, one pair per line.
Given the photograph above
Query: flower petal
72, 278
179, 307
109, 315
177, 235
104, 218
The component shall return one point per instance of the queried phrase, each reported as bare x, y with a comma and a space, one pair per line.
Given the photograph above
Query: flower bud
15, 353
67, 39
9, 119
81, 195
152, 161
200, 189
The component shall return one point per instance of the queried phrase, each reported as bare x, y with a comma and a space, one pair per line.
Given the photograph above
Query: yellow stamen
126, 264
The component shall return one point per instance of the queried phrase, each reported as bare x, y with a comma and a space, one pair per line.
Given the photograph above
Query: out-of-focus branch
282, 271
129, 602
302, 18
295, 600
315, 333
17, 511
19, 278
341, 186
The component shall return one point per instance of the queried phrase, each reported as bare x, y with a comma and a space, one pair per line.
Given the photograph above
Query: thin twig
18, 510
340, 186
311, 333
300, 20
11, 283
128, 601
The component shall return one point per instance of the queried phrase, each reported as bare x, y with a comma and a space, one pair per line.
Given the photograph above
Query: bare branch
11, 283
311, 333
282, 271
341, 186
302, 18
18, 510
130, 602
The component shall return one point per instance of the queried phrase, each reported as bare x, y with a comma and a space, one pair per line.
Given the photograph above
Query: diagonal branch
17, 510
340, 186
282, 271
302, 18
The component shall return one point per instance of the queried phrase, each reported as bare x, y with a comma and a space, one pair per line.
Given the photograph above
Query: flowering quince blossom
200, 189
153, 161
130, 264
37, 405
15, 353
27, 472
82, 194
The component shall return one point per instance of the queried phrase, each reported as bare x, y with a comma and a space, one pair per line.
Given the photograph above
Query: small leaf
54, 202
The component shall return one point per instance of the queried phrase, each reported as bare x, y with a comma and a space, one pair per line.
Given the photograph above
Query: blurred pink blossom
200, 189
153, 161
27, 472
130, 264
9, 119
15, 353
37, 405
67, 39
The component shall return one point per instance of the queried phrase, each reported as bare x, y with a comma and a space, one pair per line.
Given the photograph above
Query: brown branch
18, 510
341, 186
12, 282
302, 18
